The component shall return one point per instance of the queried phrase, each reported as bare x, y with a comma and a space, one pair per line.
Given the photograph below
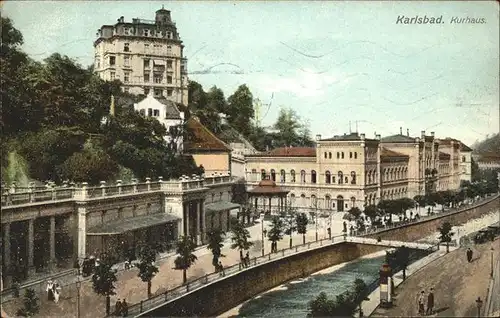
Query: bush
30, 302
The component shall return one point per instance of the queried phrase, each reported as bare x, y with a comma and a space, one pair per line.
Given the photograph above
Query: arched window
353, 177
302, 176
353, 202
340, 203
342, 155
314, 201
327, 201
292, 175
262, 174
350, 154
303, 199
329, 155
254, 175
368, 177
338, 155
326, 155
273, 175
355, 155
463, 158
313, 176
292, 198
341, 177
282, 176
328, 177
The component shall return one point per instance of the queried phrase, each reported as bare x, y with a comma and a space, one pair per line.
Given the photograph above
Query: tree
186, 258
291, 225
301, 220
371, 211
344, 305
275, 233
30, 302
239, 192
421, 200
240, 238
445, 234
103, 281
291, 132
240, 110
215, 244
146, 266
355, 212
360, 294
403, 259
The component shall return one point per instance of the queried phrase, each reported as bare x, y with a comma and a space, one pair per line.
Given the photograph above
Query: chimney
362, 136
432, 133
377, 137
400, 130
407, 132
422, 134
318, 137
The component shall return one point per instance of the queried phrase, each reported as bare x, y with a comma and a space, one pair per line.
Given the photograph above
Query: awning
130, 224
159, 62
221, 206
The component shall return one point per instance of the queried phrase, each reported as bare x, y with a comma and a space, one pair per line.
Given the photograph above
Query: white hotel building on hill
355, 171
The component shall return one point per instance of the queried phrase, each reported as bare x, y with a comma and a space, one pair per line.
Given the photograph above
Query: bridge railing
179, 291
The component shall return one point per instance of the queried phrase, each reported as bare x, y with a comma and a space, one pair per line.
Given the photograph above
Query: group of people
245, 261
430, 303
53, 291
88, 265
121, 308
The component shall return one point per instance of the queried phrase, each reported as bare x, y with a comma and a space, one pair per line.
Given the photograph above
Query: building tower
145, 55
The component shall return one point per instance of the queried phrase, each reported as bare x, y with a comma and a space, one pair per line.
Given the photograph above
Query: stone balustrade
14, 195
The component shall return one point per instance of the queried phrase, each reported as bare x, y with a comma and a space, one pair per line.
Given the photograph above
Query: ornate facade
355, 171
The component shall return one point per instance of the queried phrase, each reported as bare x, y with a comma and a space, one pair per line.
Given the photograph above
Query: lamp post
491, 272
262, 231
315, 205
78, 286
479, 303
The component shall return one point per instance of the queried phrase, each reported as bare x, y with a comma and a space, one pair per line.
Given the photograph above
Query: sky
339, 65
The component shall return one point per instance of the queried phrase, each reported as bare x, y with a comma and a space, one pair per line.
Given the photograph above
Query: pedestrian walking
49, 290
430, 302
420, 303
221, 269
118, 307
469, 255
124, 308
247, 259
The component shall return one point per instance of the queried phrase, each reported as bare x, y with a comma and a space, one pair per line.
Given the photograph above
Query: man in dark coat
430, 302
118, 308
124, 308
469, 255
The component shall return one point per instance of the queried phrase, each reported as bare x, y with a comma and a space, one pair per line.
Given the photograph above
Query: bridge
390, 243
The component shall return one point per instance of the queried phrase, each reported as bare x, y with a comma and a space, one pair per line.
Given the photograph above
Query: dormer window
146, 32
159, 34
169, 35
126, 47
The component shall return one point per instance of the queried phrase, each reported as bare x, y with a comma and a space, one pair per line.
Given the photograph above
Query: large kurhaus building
145, 55
354, 171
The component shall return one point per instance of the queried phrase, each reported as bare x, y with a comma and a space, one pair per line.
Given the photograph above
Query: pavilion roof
268, 187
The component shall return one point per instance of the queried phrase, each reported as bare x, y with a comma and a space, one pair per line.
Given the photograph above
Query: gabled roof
288, 152
171, 110
389, 153
200, 138
397, 138
464, 147
351, 137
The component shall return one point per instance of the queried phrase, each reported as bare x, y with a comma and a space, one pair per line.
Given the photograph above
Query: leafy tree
30, 302
186, 258
291, 225
240, 238
215, 244
445, 234
239, 192
344, 305
360, 294
403, 259
103, 281
240, 109
301, 220
371, 211
275, 233
355, 212
289, 129
146, 266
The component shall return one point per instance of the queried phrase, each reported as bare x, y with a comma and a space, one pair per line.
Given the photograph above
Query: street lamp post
315, 203
479, 303
78, 286
491, 272
262, 232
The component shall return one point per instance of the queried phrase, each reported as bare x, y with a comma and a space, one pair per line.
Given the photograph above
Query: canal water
291, 299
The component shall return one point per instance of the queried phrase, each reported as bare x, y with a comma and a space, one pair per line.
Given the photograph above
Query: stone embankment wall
220, 296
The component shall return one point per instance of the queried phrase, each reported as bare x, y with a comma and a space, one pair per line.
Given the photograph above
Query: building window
328, 177
273, 175
142, 112
282, 176
262, 174
159, 34
169, 64
169, 79
126, 32
158, 92
126, 47
112, 60
292, 175
313, 176
355, 155
342, 155
353, 202
169, 49
333, 179
346, 180
126, 60
463, 158
169, 35
350, 154
146, 90
169, 91
146, 47
341, 177
302, 176
327, 201
146, 63
326, 155
150, 112
146, 32
126, 77
329, 155
112, 75
292, 198
338, 155
353, 177
146, 77
126, 90
158, 78
340, 203
156, 112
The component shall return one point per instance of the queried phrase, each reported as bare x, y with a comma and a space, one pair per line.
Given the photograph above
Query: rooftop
346, 137
389, 153
200, 138
288, 152
464, 147
268, 186
397, 138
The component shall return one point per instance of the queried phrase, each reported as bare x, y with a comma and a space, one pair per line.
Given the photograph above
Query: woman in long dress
57, 292
50, 291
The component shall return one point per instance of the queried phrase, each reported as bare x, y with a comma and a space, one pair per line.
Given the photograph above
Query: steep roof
171, 109
200, 138
288, 152
397, 138
464, 147
229, 135
351, 137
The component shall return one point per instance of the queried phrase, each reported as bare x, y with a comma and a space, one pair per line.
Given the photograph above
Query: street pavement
494, 306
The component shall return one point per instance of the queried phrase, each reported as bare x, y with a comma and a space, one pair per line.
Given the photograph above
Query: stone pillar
52, 243
6, 253
203, 225
198, 222
82, 232
270, 204
186, 213
31, 244
257, 204
180, 229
